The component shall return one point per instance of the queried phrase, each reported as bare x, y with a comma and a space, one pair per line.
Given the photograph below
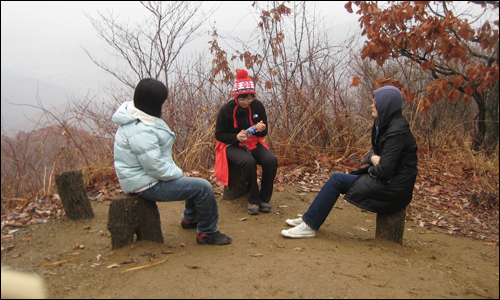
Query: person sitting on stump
386, 185
245, 151
144, 163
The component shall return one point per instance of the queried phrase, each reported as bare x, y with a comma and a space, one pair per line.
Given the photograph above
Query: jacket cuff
369, 158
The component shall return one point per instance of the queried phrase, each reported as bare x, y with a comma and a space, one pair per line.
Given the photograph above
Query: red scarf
252, 140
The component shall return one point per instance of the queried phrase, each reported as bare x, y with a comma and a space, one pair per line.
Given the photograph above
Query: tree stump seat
131, 215
237, 186
391, 226
72, 192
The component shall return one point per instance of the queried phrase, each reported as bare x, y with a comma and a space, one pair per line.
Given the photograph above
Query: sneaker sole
201, 242
297, 236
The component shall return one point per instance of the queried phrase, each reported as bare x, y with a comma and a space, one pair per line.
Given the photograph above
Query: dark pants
325, 200
248, 164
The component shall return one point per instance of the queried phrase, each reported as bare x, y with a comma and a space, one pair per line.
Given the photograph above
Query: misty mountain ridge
20, 97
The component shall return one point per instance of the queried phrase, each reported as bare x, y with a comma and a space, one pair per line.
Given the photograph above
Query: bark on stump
129, 215
391, 226
236, 186
73, 195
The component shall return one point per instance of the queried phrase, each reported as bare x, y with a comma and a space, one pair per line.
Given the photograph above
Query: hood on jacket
128, 113
389, 102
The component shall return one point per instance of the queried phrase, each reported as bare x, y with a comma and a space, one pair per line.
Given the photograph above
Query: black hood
389, 102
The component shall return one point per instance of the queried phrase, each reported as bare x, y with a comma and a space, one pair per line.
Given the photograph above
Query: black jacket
389, 185
224, 129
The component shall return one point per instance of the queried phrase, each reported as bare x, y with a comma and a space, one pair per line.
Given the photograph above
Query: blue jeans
201, 205
325, 200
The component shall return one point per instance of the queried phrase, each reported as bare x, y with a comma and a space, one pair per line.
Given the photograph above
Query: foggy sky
41, 46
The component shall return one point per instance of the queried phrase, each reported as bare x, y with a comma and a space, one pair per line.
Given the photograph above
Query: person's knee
248, 163
205, 185
272, 162
335, 179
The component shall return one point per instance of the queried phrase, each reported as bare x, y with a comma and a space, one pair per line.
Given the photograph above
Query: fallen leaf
279, 246
15, 256
8, 247
192, 266
131, 261
457, 169
282, 206
400, 262
350, 163
257, 255
167, 252
490, 244
113, 266
183, 245
280, 188
297, 249
242, 219
359, 228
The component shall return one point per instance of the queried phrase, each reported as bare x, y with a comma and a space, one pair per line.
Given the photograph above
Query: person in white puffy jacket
144, 163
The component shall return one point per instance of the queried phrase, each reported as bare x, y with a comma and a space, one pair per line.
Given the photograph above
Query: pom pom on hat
241, 74
243, 84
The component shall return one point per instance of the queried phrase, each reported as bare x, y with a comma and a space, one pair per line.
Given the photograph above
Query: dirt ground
343, 261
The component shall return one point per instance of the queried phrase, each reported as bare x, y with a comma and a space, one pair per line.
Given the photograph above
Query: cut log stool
73, 195
131, 214
391, 226
236, 186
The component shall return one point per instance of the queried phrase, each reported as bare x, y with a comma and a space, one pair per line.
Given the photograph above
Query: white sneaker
294, 222
300, 231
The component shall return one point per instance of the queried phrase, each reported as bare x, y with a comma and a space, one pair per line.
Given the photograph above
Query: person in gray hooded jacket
386, 184
144, 163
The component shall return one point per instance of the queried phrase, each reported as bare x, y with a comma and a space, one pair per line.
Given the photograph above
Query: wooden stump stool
73, 195
129, 215
391, 226
236, 186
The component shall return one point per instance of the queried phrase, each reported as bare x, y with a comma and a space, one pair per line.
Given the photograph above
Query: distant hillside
16, 89
30, 158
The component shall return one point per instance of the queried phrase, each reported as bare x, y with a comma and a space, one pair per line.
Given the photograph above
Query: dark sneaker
253, 209
264, 207
215, 238
187, 225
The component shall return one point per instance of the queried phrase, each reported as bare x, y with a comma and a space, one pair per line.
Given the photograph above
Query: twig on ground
142, 267
367, 281
54, 263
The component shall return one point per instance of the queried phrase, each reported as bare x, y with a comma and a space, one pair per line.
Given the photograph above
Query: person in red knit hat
244, 150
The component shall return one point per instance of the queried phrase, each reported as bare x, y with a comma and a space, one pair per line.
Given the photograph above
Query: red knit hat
243, 84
